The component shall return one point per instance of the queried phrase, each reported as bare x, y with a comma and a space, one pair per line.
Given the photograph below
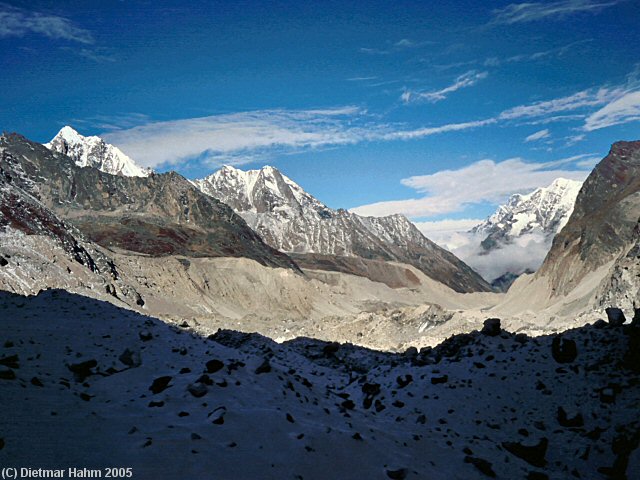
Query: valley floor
85, 383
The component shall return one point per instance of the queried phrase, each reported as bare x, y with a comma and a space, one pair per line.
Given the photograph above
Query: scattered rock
533, 455
265, 367
563, 349
130, 358
399, 474
83, 370
214, 365
481, 464
139, 300
35, 381
331, 349
145, 335
218, 417
565, 421
156, 404
12, 361
438, 380
197, 389
404, 380
206, 379
3, 261
160, 384
491, 327
411, 352
615, 316
7, 374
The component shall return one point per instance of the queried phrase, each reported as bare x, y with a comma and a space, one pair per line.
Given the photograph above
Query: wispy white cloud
451, 191
397, 46
529, 57
111, 122
17, 22
578, 100
529, 12
428, 131
624, 109
465, 80
240, 136
574, 139
539, 135
248, 136
555, 118
361, 79
98, 55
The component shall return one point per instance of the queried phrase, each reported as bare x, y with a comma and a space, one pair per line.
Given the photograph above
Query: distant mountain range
293, 221
159, 214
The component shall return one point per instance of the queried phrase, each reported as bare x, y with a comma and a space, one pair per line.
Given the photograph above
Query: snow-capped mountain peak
260, 191
94, 152
544, 211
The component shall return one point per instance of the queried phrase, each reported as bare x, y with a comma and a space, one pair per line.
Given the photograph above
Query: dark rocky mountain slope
603, 225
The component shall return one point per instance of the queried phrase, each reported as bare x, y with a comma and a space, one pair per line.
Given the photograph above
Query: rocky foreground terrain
87, 384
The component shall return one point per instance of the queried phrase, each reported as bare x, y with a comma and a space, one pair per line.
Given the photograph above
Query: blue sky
438, 110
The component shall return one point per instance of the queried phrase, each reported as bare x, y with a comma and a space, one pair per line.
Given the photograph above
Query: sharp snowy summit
293, 221
518, 236
95, 152
542, 212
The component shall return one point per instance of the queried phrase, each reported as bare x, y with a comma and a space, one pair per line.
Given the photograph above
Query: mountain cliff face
291, 220
542, 212
602, 225
95, 152
155, 215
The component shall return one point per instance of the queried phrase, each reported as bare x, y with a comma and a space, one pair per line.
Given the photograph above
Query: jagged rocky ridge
82, 380
291, 220
603, 227
95, 152
155, 215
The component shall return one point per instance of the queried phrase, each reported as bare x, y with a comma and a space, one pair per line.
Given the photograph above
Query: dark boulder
615, 316
399, 474
565, 421
214, 365
130, 358
160, 384
481, 464
438, 380
197, 389
491, 327
265, 367
563, 349
533, 455
83, 370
